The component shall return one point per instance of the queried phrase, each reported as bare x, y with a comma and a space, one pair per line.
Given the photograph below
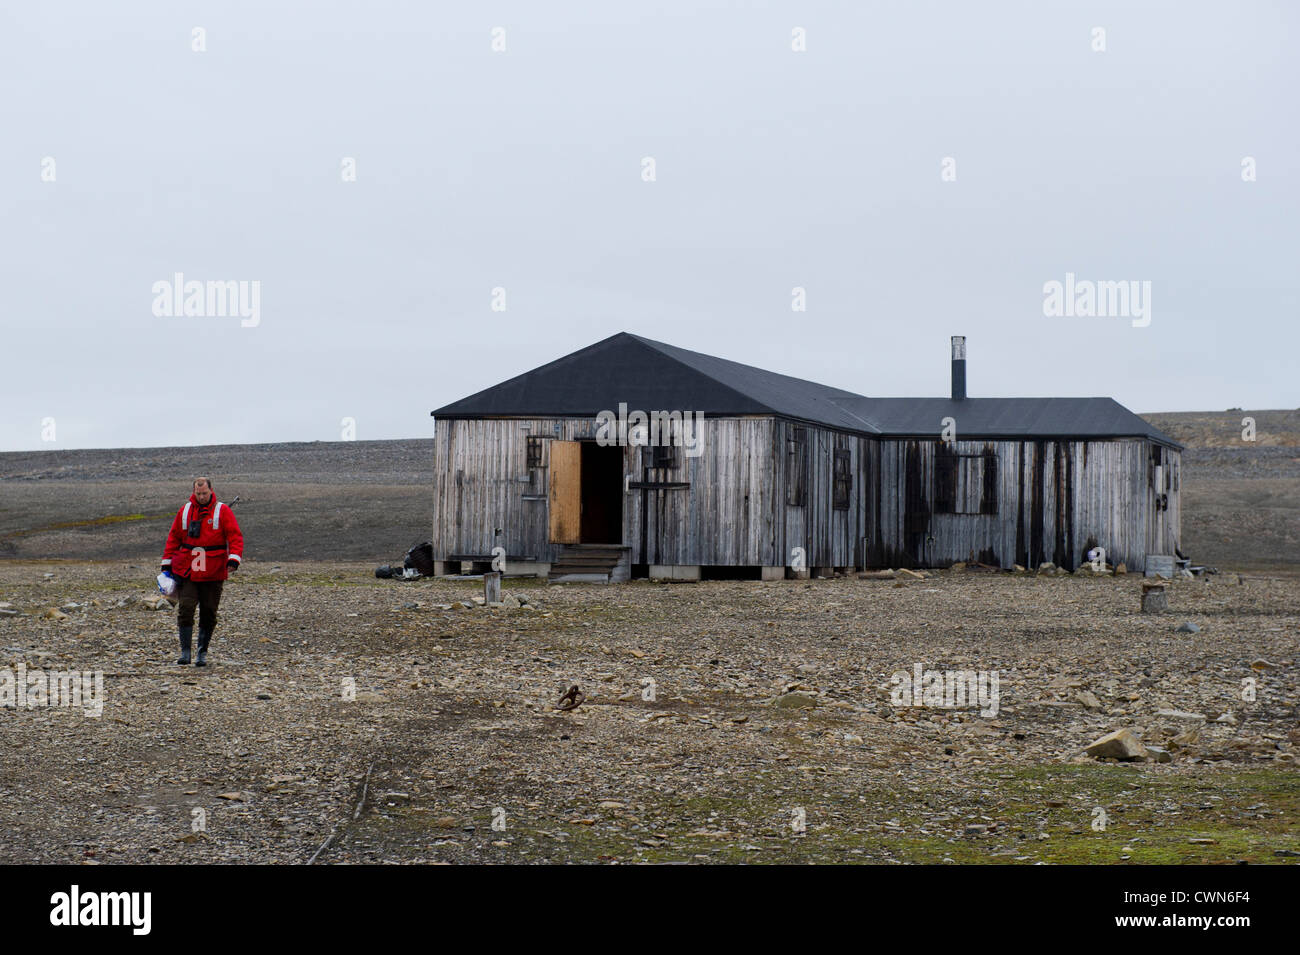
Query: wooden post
492, 588
1154, 599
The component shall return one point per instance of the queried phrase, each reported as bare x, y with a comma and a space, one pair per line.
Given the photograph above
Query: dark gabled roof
1008, 418
791, 397
652, 376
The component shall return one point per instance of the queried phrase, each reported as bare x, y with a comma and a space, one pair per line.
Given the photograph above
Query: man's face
202, 492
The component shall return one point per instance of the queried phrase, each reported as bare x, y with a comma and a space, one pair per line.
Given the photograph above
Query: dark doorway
602, 494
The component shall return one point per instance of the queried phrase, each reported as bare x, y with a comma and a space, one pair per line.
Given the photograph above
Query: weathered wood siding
481, 483
828, 536
1054, 499
725, 516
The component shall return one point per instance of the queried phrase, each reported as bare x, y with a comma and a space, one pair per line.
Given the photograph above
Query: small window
843, 479
663, 456
965, 483
945, 479
663, 452
534, 453
989, 491
796, 467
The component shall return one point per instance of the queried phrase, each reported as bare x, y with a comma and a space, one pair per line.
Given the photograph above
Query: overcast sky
523, 169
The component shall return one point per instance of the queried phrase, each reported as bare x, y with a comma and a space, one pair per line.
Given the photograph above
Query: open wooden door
565, 491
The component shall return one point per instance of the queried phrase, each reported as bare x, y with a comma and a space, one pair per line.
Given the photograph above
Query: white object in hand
166, 585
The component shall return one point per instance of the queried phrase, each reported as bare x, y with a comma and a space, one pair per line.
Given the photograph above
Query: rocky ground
348, 719
351, 719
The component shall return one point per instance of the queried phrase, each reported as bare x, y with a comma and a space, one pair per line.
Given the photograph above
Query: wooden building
635, 458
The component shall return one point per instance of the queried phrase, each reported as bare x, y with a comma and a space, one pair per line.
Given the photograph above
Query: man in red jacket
204, 546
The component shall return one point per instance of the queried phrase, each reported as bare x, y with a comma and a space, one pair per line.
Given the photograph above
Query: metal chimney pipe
958, 367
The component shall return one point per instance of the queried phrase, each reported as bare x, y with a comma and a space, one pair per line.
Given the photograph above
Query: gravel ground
347, 719
771, 735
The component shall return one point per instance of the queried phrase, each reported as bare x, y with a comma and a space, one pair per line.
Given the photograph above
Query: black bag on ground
420, 557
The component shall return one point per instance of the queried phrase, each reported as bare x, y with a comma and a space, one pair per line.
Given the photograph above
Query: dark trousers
205, 594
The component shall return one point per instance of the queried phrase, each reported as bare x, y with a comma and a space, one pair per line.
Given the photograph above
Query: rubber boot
185, 633
204, 637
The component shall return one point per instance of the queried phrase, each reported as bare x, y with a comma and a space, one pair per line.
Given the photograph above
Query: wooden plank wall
829, 537
481, 483
1053, 497
725, 517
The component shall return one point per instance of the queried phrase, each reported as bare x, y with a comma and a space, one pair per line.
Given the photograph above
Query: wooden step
587, 563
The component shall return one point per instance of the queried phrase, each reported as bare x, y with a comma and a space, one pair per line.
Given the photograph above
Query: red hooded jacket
203, 557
